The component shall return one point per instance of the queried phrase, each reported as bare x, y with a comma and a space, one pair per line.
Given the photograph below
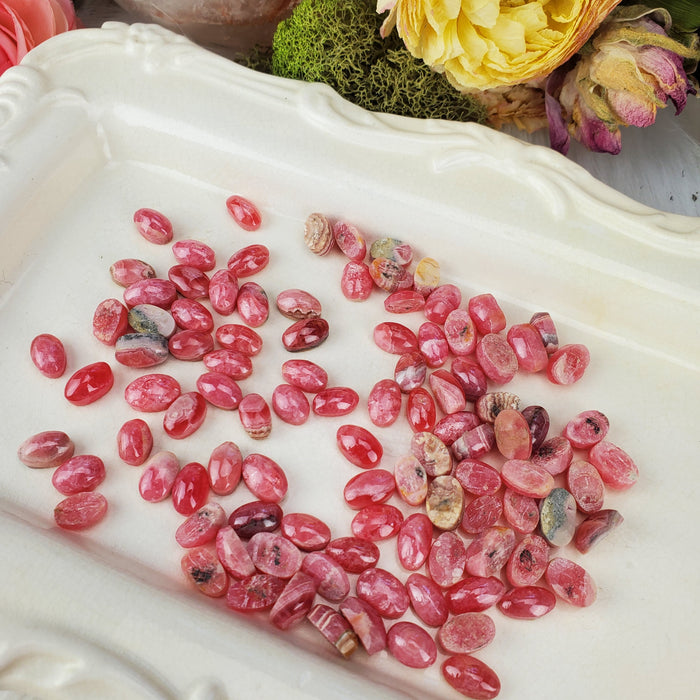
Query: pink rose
26, 23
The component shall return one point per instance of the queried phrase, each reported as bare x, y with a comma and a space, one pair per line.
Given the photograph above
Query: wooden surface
659, 166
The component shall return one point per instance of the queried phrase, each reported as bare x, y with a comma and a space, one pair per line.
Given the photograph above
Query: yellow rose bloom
482, 44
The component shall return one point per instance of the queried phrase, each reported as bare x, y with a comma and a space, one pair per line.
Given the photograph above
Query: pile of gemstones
470, 534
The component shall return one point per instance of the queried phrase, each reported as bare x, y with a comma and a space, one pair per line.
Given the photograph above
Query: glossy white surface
101, 122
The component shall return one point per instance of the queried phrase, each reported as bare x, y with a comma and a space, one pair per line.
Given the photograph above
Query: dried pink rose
26, 23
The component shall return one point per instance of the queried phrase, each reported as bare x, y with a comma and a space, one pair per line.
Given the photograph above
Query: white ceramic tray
98, 123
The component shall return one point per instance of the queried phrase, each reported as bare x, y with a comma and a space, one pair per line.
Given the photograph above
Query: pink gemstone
410, 371
389, 275
411, 645
586, 486
249, 260
471, 677
395, 338
158, 477
414, 540
527, 478
486, 314
224, 467
474, 594
129, 270
450, 428
255, 417
153, 226
152, 320
614, 465
298, 304
305, 334
359, 446
475, 442
48, 355
202, 568
294, 603
411, 480
264, 478
571, 582
521, 512
466, 632
191, 282
141, 350
356, 282
80, 511
441, 301
256, 592
235, 364
307, 532
185, 415
274, 554
544, 324
244, 212
527, 602
158, 292
46, 449
446, 559
512, 433
251, 518
219, 390
594, 528
305, 375
334, 628
201, 527
190, 345
586, 429
384, 403
420, 410
497, 358
433, 344
567, 365
190, 489
110, 321
290, 404
369, 488
234, 336
377, 522
335, 401
404, 301
528, 347
195, 254
89, 384
134, 442
152, 392
79, 473
470, 376
366, 623
252, 304
447, 391
350, 240
460, 332
383, 591
554, 455
223, 292
481, 513
233, 554
528, 561
353, 553
477, 478
329, 576
488, 552
432, 453
538, 421
427, 600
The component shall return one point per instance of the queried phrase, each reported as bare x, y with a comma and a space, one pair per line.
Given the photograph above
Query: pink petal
68, 12
595, 135
559, 138
37, 16
16, 30
666, 68
632, 109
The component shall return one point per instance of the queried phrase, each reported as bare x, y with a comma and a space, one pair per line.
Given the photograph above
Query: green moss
337, 42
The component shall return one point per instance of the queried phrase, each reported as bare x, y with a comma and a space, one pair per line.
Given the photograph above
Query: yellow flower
482, 44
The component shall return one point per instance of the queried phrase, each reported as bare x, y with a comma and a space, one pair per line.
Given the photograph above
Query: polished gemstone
89, 384
411, 645
190, 489
185, 415
264, 478
158, 476
359, 446
79, 473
